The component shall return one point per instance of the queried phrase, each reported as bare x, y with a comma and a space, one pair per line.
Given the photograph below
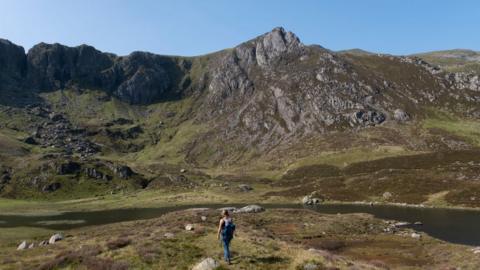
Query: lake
452, 225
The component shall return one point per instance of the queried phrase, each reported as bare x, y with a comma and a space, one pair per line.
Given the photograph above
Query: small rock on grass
310, 266
22, 245
416, 235
168, 235
55, 238
250, 209
189, 227
207, 264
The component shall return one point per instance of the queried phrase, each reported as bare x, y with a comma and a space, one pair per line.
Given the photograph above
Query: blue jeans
226, 249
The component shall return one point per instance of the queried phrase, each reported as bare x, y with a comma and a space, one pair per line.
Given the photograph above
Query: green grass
463, 128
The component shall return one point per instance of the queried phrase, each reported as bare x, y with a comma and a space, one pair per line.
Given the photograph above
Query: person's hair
225, 213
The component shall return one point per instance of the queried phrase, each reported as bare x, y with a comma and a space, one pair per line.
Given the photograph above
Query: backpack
228, 230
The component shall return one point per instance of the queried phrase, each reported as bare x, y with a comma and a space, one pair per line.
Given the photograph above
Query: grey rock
68, 167
400, 115
245, 188
51, 187
250, 209
310, 266
274, 44
416, 235
55, 238
22, 245
123, 171
311, 200
30, 140
387, 195
368, 118
401, 224
43, 243
169, 235
207, 264
94, 173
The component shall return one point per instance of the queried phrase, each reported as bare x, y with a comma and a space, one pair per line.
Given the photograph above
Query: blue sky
189, 27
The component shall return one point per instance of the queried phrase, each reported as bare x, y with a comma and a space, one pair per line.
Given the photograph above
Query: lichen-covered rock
22, 245
55, 238
250, 209
401, 115
207, 264
274, 44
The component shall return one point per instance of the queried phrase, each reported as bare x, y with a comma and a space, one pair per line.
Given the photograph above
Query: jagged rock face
52, 67
140, 78
274, 44
145, 78
12, 59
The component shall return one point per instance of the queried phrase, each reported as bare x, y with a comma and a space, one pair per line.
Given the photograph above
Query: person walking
226, 231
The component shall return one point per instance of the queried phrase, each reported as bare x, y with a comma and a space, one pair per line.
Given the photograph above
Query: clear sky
193, 27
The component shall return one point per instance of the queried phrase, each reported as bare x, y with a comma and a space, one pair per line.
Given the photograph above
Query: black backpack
228, 230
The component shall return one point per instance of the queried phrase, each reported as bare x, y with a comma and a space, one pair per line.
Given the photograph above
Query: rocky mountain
270, 102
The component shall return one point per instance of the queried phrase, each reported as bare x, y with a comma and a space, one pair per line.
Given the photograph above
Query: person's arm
219, 228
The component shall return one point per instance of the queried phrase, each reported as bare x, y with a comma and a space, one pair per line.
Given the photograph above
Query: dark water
456, 226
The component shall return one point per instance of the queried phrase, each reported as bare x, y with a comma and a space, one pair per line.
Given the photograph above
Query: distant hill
457, 60
356, 51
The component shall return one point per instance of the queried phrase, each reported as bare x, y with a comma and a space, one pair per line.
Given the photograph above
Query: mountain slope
264, 108
459, 60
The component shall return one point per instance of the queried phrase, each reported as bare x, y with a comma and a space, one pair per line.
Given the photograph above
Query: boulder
401, 224
203, 218
310, 200
207, 264
32, 245
310, 266
123, 172
51, 187
54, 238
169, 235
367, 118
22, 245
416, 235
94, 173
387, 195
250, 209
245, 188
400, 115
69, 167
189, 227
30, 140
43, 243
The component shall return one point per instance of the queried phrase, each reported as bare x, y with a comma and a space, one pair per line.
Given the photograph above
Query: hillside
459, 60
271, 111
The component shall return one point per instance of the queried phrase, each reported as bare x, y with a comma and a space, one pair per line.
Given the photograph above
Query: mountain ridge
270, 104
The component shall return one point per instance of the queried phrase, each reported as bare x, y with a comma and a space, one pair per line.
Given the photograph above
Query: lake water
456, 226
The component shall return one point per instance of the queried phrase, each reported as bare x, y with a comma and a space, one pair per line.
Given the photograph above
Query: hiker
226, 230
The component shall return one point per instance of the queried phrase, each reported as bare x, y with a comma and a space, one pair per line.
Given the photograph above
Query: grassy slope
275, 239
454, 60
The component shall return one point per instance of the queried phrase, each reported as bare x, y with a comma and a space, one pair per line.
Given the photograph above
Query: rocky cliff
270, 100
